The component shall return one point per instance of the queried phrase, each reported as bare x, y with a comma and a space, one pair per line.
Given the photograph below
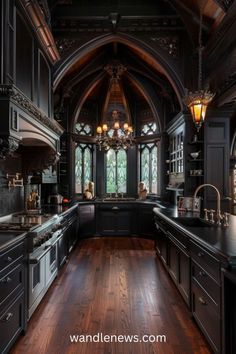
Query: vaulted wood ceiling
76, 22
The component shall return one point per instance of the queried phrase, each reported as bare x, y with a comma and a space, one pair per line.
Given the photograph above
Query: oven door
37, 281
51, 265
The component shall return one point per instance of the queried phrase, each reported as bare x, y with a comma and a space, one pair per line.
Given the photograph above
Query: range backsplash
11, 200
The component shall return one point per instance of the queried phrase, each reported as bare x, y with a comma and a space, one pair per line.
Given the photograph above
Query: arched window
116, 171
83, 166
148, 166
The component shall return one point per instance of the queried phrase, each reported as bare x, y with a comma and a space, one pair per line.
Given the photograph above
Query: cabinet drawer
206, 315
11, 256
206, 261
207, 283
12, 322
11, 282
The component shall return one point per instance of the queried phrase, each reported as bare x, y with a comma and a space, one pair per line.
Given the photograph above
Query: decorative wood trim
12, 92
42, 30
8, 145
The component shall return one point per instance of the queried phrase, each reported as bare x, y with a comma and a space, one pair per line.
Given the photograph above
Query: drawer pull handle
203, 302
9, 259
7, 318
6, 280
202, 274
115, 208
200, 254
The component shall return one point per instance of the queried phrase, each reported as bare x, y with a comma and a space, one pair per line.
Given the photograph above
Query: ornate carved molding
8, 145
18, 97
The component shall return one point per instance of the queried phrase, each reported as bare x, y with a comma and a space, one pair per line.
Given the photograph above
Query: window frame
84, 147
142, 146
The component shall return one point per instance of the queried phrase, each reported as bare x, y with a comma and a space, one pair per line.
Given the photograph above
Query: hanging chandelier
116, 136
199, 100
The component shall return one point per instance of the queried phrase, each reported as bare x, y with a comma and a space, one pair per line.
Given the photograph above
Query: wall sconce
14, 180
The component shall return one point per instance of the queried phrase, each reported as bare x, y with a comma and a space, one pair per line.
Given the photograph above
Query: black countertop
218, 239
10, 238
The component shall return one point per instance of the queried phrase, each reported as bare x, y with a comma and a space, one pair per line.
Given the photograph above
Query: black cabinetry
87, 223
114, 219
172, 247
206, 290
12, 294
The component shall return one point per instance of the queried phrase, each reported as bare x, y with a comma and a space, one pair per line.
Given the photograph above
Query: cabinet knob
6, 280
8, 259
202, 274
7, 318
202, 301
115, 208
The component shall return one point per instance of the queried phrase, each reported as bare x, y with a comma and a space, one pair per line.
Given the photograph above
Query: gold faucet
218, 212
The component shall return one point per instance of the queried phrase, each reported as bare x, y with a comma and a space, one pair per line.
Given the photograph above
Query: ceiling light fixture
118, 136
198, 101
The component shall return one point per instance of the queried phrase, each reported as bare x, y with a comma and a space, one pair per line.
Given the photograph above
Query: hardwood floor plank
112, 286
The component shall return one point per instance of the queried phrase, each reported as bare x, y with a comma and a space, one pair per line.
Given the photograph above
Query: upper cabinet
28, 52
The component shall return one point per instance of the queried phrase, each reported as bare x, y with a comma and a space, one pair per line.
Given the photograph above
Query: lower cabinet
179, 269
13, 294
86, 220
114, 219
197, 274
207, 316
12, 323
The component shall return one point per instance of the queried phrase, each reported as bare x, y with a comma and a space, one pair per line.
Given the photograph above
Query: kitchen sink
193, 222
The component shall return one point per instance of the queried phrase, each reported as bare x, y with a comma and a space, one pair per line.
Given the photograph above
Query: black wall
11, 200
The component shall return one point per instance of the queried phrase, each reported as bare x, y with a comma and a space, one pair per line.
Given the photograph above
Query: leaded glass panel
149, 166
121, 171
116, 171
87, 165
111, 171
83, 167
149, 128
83, 129
145, 167
154, 170
78, 170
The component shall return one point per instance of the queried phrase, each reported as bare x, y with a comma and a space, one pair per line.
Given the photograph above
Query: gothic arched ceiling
155, 40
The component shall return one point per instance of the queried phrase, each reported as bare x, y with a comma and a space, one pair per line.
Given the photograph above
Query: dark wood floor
112, 286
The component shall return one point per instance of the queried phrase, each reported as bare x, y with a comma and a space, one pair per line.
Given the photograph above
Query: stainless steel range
43, 235
43, 259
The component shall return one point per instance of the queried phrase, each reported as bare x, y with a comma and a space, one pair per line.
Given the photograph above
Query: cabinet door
12, 323
86, 220
146, 221
174, 261
184, 276
161, 242
107, 222
123, 222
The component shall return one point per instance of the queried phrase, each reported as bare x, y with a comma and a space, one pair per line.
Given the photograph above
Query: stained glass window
83, 129
149, 128
116, 171
148, 166
83, 166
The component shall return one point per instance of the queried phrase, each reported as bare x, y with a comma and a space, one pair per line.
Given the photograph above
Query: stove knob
50, 234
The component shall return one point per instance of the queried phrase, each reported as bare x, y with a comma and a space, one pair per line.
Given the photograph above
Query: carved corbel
8, 145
